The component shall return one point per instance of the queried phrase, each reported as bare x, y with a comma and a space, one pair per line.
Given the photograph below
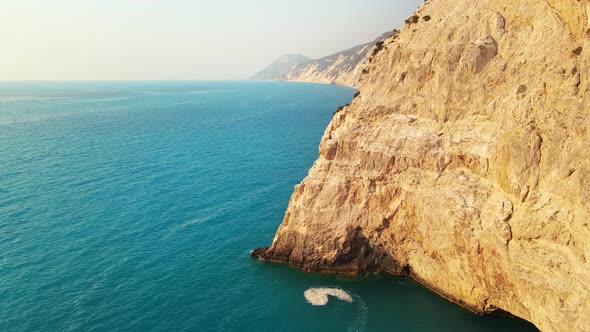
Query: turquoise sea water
133, 207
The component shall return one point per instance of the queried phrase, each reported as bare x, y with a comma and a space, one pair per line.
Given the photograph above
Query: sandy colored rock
464, 162
280, 67
343, 68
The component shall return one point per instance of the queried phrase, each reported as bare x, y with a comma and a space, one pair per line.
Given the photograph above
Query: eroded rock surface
464, 162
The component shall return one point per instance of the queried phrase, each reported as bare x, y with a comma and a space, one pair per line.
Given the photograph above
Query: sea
133, 206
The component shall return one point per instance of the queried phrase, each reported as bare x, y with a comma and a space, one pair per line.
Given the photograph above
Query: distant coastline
343, 68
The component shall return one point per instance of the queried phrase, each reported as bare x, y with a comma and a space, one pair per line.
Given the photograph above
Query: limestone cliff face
342, 68
464, 162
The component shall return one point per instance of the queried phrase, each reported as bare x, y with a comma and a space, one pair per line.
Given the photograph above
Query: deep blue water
133, 207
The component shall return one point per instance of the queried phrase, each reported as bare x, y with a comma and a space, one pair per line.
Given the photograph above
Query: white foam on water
319, 296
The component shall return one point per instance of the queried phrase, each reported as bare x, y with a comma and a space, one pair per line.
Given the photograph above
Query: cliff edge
463, 162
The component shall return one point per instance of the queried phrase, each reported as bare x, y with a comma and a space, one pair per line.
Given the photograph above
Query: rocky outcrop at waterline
463, 162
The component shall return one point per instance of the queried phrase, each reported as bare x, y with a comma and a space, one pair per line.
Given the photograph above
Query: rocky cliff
342, 68
463, 162
280, 67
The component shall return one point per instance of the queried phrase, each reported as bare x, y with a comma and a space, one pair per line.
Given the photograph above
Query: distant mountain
342, 68
280, 67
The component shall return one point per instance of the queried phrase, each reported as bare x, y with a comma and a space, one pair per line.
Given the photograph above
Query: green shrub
378, 48
577, 51
340, 108
413, 20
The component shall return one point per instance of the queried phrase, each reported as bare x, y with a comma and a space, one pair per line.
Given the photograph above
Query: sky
180, 39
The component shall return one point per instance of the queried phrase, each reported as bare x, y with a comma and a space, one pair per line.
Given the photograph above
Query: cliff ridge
280, 67
341, 68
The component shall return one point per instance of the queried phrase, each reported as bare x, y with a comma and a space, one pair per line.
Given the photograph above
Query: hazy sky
179, 39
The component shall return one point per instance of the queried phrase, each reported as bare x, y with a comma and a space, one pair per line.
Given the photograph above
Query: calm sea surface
133, 207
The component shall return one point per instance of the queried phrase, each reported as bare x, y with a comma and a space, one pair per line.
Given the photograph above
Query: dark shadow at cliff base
375, 263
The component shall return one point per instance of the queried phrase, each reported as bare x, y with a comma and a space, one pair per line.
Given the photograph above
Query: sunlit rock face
343, 68
464, 162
